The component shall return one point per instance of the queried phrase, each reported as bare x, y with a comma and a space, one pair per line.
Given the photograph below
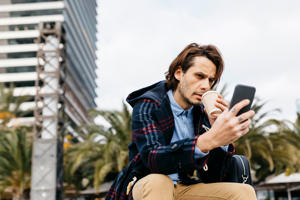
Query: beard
183, 91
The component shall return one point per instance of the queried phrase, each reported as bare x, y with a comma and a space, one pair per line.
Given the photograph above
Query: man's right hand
227, 128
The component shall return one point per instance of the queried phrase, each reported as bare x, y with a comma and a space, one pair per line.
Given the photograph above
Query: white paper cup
209, 99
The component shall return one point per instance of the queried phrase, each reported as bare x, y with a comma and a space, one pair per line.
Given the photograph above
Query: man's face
194, 82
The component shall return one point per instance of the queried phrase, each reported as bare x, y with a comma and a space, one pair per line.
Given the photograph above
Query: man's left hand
222, 105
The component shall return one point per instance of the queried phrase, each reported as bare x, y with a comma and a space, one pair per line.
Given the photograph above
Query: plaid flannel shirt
150, 150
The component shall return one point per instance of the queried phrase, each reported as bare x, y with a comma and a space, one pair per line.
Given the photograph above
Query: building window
35, 13
20, 84
31, 1
21, 55
21, 41
20, 69
23, 27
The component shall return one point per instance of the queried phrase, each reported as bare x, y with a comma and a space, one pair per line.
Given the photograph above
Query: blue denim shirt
184, 128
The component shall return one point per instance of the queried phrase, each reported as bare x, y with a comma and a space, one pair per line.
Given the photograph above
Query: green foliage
271, 145
15, 160
103, 151
9, 104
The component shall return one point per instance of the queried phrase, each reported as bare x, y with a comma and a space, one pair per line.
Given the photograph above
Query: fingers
244, 127
221, 104
241, 130
245, 124
221, 101
237, 107
229, 127
245, 116
244, 132
244, 121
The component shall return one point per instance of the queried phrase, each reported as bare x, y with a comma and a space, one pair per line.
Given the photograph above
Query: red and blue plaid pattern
150, 150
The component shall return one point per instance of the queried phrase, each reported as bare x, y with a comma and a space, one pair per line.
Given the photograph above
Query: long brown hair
185, 61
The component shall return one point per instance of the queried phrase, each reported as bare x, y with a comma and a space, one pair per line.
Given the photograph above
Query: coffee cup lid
209, 91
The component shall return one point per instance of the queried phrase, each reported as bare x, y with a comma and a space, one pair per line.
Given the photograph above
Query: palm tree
104, 150
269, 145
9, 104
15, 160
256, 144
291, 134
79, 160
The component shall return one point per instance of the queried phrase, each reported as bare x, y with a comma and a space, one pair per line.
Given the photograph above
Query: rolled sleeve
225, 148
199, 154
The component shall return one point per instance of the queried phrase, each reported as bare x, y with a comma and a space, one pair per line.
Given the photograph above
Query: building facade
19, 33
48, 52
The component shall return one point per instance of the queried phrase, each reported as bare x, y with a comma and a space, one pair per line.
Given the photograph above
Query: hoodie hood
155, 92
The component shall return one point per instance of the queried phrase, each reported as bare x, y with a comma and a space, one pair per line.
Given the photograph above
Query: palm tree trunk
18, 196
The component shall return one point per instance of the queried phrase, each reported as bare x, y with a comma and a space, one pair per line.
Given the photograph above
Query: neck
180, 100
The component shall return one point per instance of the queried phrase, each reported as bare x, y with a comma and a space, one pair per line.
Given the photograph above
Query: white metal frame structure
23, 46
46, 179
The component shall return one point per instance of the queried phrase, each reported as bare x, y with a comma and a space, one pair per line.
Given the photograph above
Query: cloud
258, 39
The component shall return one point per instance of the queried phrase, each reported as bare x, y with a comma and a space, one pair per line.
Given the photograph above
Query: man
171, 139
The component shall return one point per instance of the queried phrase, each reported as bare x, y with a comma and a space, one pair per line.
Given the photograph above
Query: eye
200, 76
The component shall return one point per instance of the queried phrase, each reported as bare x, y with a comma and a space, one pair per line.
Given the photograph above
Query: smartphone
240, 93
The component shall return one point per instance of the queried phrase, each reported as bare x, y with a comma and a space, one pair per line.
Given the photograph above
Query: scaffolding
47, 156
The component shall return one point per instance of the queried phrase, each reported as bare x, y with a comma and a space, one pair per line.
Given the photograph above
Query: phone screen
240, 93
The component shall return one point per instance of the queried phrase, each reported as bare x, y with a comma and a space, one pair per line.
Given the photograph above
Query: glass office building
19, 30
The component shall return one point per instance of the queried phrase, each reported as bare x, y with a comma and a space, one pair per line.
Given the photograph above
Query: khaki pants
161, 187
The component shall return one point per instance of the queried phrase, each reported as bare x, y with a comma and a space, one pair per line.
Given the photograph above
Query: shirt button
174, 146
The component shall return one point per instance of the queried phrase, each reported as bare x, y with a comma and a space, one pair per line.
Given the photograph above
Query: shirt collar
177, 109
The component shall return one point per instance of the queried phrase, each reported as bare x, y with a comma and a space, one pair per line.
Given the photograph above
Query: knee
150, 187
159, 180
246, 190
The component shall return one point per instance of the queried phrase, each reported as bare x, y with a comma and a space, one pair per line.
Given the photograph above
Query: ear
178, 73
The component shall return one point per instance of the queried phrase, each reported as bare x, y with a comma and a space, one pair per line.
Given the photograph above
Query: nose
205, 84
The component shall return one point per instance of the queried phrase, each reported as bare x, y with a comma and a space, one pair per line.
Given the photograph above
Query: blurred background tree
10, 104
15, 161
271, 145
103, 153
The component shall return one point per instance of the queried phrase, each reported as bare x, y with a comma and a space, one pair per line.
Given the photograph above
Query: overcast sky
259, 40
